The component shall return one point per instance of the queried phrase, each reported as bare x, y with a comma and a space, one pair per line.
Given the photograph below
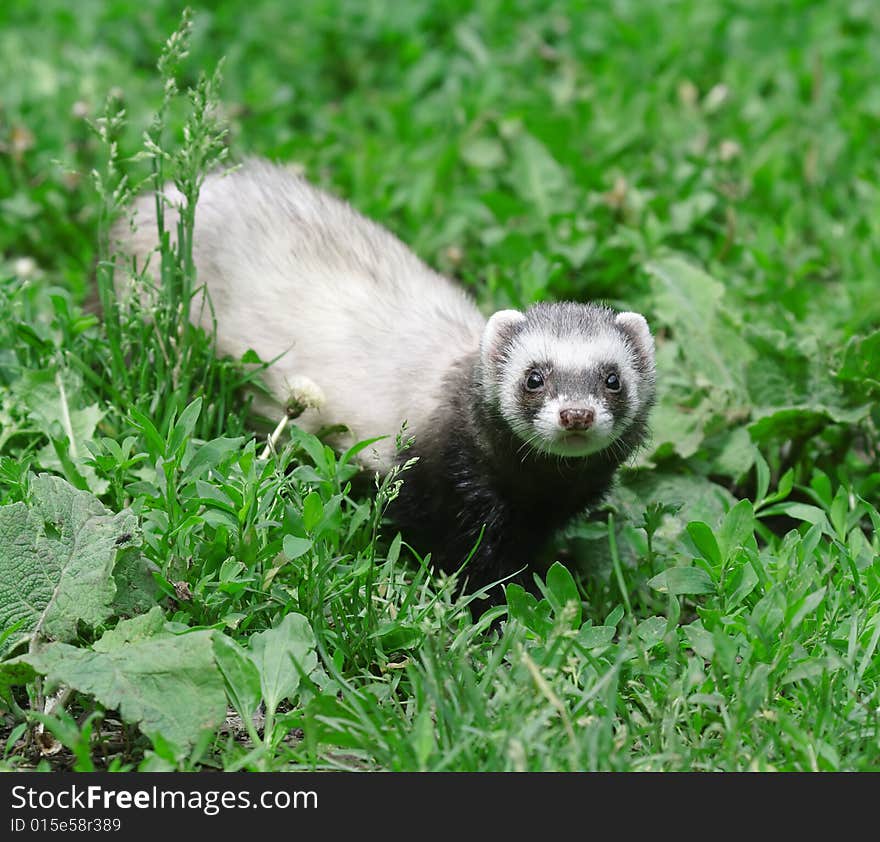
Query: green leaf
135, 578
792, 422
704, 540
183, 428
396, 636
313, 511
811, 668
313, 446
155, 442
209, 455
56, 559
756, 687
538, 178
615, 616
14, 673
683, 580
800, 511
804, 607
168, 685
280, 654
738, 527
697, 498
861, 361
424, 740
328, 720
295, 547
483, 153
769, 613
357, 448
762, 473
129, 631
520, 603
52, 399
651, 631
563, 591
592, 637
689, 301
739, 583
701, 641
240, 674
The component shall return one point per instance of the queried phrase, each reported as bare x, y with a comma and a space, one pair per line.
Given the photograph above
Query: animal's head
569, 379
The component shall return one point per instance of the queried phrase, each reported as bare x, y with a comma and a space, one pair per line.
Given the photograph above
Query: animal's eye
534, 381
612, 383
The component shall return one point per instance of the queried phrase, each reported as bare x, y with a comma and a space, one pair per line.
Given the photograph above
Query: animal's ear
636, 328
497, 332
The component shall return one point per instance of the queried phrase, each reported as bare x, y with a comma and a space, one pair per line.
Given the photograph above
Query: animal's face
568, 379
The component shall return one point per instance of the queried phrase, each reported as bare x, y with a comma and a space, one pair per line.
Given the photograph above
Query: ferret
518, 421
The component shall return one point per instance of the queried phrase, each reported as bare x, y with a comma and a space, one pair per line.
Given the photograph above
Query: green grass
710, 164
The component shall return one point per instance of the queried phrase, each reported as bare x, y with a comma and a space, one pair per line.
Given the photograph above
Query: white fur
492, 341
296, 272
637, 324
567, 353
557, 440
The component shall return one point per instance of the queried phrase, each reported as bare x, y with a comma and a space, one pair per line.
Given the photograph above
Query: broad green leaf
701, 641
313, 511
129, 631
211, 454
732, 453
483, 153
592, 637
280, 654
520, 603
683, 580
168, 685
56, 559
737, 528
14, 673
704, 540
538, 178
615, 616
240, 674
563, 590
792, 422
136, 588
689, 301
651, 631
53, 402
698, 498
313, 446
800, 511
769, 613
861, 361
294, 547
739, 583
357, 448
677, 432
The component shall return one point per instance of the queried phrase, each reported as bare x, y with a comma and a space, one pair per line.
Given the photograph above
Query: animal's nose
576, 419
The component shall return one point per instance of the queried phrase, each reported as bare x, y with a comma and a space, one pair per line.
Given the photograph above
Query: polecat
518, 422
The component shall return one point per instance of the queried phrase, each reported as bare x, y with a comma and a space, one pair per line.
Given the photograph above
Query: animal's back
293, 271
